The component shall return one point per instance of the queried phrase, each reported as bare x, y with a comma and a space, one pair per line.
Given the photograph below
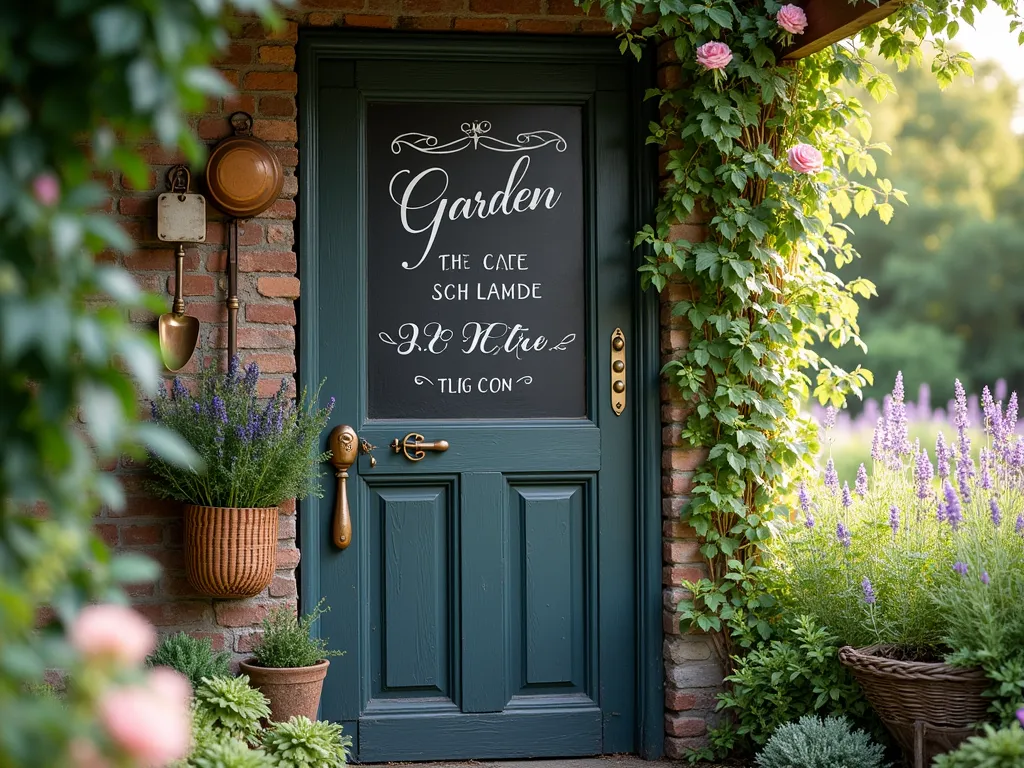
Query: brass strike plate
618, 371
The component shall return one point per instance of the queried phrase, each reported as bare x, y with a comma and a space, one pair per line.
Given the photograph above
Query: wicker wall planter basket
929, 707
230, 552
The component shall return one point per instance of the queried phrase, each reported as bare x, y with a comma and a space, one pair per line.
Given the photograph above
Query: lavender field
849, 441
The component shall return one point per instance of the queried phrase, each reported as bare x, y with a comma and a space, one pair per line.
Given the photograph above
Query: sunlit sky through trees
991, 39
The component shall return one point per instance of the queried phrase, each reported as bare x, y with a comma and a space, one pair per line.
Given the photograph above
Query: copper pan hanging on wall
244, 177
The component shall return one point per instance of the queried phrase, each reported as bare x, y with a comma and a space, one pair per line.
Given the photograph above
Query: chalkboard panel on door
475, 261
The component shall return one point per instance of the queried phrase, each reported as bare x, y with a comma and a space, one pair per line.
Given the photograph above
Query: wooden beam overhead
829, 21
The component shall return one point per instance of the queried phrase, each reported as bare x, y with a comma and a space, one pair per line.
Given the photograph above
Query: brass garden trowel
178, 332
180, 218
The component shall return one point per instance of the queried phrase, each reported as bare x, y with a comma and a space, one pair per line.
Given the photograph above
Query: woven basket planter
929, 707
230, 552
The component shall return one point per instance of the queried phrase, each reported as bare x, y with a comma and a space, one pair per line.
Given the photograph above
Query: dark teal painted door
487, 603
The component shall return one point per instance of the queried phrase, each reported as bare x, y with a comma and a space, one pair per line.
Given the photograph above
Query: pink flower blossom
803, 158
46, 188
792, 19
151, 723
714, 55
112, 631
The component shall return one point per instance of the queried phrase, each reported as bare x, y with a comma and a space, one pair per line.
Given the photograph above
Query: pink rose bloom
46, 188
792, 19
803, 158
714, 55
150, 723
112, 631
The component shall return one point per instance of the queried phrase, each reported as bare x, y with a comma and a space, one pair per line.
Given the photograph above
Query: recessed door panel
412, 544
551, 594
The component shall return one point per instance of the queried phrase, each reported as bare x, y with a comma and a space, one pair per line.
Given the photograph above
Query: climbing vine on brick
768, 161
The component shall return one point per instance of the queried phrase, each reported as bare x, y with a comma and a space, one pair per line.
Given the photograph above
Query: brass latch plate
618, 371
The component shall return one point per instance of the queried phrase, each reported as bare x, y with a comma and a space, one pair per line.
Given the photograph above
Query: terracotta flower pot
291, 690
230, 552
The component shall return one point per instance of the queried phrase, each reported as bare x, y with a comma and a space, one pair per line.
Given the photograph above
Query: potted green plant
255, 454
289, 664
918, 571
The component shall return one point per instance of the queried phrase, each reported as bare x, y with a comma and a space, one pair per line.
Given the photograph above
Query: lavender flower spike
997, 515
847, 496
923, 474
894, 519
831, 477
954, 513
1019, 528
178, 390
869, 592
252, 377
219, 409
984, 578
876, 441
805, 497
1020, 716
960, 568
829, 420
942, 456
861, 486
843, 535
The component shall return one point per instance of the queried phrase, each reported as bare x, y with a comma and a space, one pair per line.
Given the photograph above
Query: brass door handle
344, 444
414, 447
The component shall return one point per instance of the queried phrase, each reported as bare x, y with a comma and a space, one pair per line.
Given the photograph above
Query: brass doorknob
414, 446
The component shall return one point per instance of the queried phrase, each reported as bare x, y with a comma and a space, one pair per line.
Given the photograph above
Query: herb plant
1003, 748
798, 673
287, 641
814, 743
256, 454
231, 708
304, 743
192, 656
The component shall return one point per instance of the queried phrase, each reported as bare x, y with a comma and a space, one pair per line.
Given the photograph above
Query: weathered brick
240, 613
287, 557
277, 54
374, 22
681, 551
677, 574
546, 26
142, 535
267, 261
283, 586
430, 23
193, 285
278, 287
175, 614
271, 81
274, 363
481, 25
679, 701
277, 106
283, 314
276, 130
681, 725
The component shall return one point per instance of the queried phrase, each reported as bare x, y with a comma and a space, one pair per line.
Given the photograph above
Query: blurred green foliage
102, 73
949, 271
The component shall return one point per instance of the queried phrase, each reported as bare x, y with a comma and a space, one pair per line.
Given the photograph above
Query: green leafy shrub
814, 743
287, 642
192, 656
231, 708
777, 682
256, 454
229, 753
304, 743
1003, 748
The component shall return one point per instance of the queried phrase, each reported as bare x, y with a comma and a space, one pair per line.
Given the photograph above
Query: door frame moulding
644, 352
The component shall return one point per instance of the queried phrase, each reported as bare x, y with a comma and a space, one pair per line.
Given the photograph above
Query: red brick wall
693, 673
262, 67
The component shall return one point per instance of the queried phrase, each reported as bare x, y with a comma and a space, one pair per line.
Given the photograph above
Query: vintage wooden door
466, 272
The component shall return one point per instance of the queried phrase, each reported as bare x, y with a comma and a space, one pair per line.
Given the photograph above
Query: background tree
948, 269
